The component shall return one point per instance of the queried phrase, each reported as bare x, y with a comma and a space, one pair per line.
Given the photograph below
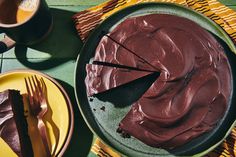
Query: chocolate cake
102, 78
13, 125
191, 94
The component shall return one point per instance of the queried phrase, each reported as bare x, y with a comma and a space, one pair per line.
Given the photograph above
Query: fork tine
33, 88
27, 87
36, 88
43, 85
28, 91
39, 86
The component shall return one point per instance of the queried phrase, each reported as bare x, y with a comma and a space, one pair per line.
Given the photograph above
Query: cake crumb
103, 108
91, 99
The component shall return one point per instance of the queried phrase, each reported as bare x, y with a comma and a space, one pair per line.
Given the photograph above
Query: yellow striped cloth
87, 20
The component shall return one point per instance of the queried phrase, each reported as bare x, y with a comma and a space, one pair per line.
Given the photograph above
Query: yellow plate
59, 118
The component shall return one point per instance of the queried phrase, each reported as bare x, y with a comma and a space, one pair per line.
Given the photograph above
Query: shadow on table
130, 93
62, 44
82, 137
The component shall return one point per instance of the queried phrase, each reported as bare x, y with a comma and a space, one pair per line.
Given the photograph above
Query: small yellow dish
59, 118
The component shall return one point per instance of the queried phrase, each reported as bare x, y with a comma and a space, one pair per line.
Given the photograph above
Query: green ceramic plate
104, 112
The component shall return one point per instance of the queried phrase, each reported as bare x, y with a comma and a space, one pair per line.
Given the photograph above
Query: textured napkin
225, 17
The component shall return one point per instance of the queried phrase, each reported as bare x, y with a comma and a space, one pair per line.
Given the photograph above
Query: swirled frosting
192, 92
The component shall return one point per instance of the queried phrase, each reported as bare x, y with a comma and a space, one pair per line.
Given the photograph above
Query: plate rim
65, 95
220, 30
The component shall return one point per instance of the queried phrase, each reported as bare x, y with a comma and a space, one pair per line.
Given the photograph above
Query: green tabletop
56, 56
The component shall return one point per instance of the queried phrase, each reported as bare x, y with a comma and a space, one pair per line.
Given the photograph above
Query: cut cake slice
111, 51
101, 78
13, 125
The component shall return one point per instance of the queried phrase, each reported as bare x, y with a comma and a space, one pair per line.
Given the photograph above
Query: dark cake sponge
13, 124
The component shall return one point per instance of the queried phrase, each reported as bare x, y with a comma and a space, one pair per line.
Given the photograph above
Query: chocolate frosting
193, 90
102, 78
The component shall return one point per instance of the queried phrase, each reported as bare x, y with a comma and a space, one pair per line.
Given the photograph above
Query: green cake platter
104, 112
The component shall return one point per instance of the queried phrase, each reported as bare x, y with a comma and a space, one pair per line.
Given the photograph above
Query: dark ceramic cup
24, 22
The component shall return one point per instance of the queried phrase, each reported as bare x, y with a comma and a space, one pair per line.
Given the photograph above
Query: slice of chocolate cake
13, 125
112, 51
102, 78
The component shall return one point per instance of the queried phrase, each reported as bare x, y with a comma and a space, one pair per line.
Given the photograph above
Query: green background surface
56, 56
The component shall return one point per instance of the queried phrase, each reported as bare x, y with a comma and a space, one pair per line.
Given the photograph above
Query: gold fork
36, 89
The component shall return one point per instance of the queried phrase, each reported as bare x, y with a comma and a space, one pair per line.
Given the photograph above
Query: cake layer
13, 125
101, 78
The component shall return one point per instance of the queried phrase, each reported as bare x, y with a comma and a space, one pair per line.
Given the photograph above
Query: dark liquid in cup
16, 11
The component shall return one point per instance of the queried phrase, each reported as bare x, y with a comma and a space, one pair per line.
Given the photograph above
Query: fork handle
43, 134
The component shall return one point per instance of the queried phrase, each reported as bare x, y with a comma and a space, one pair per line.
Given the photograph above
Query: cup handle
6, 43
